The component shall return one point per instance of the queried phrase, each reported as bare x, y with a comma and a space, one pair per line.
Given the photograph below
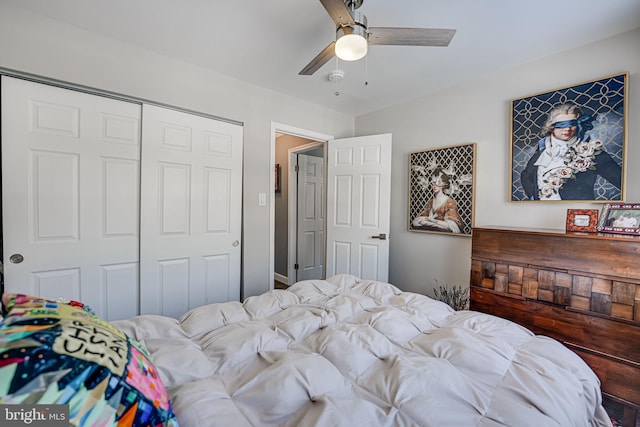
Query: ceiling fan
353, 36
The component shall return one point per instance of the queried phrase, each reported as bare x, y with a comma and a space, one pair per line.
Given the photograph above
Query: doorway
299, 212
357, 208
288, 145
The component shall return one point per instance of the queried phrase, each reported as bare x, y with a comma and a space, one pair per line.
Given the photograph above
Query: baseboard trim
281, 278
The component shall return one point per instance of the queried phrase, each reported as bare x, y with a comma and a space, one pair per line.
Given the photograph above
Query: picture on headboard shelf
441, 190
620, 218
569, 144
584, 220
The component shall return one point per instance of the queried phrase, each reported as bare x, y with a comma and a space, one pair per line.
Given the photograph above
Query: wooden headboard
582, 289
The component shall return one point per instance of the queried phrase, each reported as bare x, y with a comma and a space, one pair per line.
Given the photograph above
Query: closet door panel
173, 275
217, 198
191, 211
54, 181
55, 283
174, 198
70, 190
119, 284
217, 270
120, 198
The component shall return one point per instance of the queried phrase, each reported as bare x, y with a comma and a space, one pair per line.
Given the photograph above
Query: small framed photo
585, 220
620, 218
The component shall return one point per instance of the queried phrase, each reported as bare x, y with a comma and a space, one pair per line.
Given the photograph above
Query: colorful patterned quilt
60, 353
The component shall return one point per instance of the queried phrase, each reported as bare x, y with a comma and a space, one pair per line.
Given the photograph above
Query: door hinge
295, 266
297, 168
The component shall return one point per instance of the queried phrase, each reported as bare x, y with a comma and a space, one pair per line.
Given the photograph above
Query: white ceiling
267, 42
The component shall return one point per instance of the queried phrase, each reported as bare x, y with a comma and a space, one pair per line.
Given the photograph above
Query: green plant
456, 296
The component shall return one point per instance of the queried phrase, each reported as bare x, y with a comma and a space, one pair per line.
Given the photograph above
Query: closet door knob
16, 258
235, 243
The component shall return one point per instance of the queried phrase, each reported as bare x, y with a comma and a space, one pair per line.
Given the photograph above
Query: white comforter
346, 352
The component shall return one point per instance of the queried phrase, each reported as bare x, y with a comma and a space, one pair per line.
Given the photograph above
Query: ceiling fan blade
338, 11
410, 36
321, 59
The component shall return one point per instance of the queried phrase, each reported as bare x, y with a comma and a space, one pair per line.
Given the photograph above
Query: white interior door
310, 218
70, 193
191, 211
358, 210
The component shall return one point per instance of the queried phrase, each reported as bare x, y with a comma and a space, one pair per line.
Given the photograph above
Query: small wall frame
441, 190
278, 178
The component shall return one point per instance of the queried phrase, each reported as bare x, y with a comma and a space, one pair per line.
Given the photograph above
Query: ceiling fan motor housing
352, 39
359, 26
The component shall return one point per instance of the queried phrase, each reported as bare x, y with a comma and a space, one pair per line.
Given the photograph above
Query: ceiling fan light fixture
351, 40
351, 47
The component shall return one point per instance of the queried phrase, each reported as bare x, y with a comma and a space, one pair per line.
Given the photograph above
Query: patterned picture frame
582, 220
442, 190
620, 218
591, 166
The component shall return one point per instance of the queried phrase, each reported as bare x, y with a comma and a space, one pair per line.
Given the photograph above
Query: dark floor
279, 285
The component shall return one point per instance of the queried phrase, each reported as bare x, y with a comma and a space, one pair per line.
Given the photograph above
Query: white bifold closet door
127, 212
70, 196
191, 211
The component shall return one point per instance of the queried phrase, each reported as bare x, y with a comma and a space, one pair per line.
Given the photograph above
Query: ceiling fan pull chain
366, 71
336, 77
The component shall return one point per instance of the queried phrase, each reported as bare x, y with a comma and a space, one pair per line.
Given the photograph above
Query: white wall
33, 44
480, 112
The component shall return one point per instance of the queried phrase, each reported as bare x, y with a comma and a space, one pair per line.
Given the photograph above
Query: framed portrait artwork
569, 144
585, 220
441, 190
620, 218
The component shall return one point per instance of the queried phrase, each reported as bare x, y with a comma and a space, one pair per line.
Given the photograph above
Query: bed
351, 352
